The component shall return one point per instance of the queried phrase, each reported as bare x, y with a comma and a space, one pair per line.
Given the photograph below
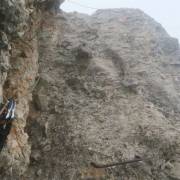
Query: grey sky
165, 12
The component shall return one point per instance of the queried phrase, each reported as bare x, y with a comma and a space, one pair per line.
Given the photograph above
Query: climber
6, 117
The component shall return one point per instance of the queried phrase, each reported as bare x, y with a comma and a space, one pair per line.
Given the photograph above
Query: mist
165, 12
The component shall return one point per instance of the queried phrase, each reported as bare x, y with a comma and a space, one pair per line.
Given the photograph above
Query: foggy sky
165, 12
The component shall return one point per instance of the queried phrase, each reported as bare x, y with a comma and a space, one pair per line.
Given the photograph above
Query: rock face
105, 88
20, 21
108, 91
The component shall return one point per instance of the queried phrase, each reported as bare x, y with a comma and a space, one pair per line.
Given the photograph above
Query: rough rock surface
103, 88
108, 91
20, 21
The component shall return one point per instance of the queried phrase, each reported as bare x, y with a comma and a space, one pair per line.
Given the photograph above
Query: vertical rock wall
92, 89
106, 93
19, 25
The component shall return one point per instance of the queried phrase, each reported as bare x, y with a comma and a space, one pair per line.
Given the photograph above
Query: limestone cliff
101, 88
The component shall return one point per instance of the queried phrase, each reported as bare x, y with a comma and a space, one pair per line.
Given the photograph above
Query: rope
81, 5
